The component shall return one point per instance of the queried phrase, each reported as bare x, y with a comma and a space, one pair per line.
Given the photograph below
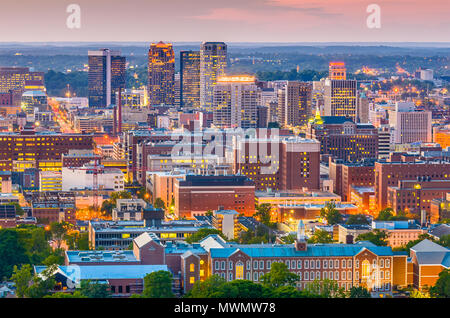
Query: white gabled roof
428, 246
143, 239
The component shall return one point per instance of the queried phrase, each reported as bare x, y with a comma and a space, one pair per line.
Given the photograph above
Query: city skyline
249, 21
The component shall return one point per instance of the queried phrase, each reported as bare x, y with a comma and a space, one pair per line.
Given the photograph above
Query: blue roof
313, 250
104, 272
100, 256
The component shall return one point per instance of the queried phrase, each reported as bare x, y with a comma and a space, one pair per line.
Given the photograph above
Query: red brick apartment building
288, 164
388, 174
348, 174
34, 147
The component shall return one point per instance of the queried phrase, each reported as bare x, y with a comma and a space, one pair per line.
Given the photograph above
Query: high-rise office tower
410, 125
340, 98
213, 62
161, 74
190, 79
295, 104
106, 76
337, 71
235, 101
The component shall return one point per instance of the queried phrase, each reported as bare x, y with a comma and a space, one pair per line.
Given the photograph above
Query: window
306, 263
388, 275
387, 263
357, 264
343, 263
349, 275
299, 275
330, 275
261, 264
357, 275
325, 264
191, 268
120, 289
318, 264
230, 265
311, 276
306, 275
382, 274
216, 265
288, 264
293, 264
381, 263
239, 270
268, 264
336, 263
343, 275
255, 264
324, 275
248, 265
365, 269
299, 264
255, 277
336, 275
312, 263
317, 275
192, 280
349, 263
374, 263
248, 276
330, 263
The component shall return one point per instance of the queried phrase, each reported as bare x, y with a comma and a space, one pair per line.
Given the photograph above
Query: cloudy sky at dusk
226, 20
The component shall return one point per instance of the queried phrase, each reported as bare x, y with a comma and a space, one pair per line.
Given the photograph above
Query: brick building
197, 194
387, 174
341, 138
348, 174
288, 164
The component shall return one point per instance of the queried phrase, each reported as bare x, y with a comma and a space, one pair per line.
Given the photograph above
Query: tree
94, 289
325, 288
12, 252
201, 234
107, 207
263, 213
385, 215
42, 284
285, 292
19, 210
212, 287
279, 275
21, 277
158, 285
59, 231
78, 241
159, 204
417, 294
357, 219
245, 289
321, 236
331, 214
442, 287
377, 237
358, 292
445, 241
57, 257
75, 294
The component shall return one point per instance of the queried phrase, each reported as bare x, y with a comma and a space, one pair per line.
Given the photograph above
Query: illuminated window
192, 280
365, 265
192, 267
239, 270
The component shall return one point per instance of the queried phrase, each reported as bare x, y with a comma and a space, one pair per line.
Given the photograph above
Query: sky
225, 20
